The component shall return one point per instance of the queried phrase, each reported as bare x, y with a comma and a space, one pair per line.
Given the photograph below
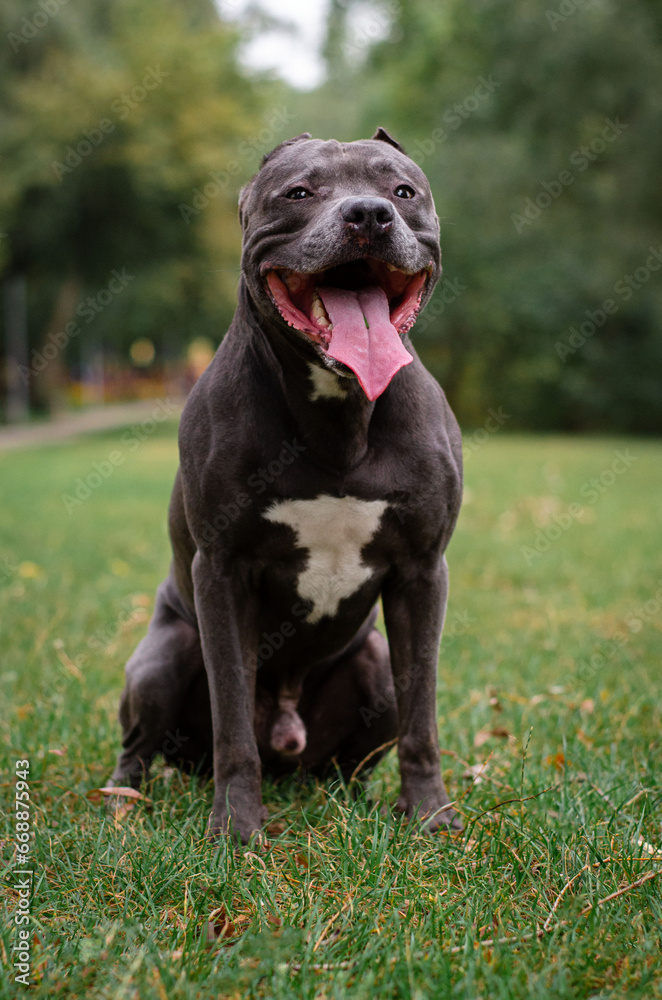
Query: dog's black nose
368, 216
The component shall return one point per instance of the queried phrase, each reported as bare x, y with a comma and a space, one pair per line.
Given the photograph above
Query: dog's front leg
226, 621
414, 606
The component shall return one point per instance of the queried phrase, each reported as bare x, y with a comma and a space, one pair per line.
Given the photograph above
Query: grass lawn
549, 677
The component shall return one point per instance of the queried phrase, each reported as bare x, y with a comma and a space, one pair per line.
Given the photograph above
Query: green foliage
495, 100
347, 900
116, 118
552, 301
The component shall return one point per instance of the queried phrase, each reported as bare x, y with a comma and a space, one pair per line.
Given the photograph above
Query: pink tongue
363, 337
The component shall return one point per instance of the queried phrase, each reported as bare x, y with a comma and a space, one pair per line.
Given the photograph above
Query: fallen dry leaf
656, 852
98, 795
493, 698
475, 772
483, 735
558, 761
251, 856
120, 809
220, 927
172, 917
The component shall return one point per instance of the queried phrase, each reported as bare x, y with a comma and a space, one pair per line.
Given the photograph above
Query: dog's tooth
400, 270
295, 281
318, 311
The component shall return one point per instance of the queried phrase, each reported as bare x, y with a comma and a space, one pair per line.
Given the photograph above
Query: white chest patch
334, 530
326, 385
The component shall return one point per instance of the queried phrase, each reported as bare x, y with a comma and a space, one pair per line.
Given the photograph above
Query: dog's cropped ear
243, 198
383, 136
246, 190
281, 145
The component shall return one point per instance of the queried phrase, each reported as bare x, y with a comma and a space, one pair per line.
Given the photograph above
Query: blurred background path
100, 418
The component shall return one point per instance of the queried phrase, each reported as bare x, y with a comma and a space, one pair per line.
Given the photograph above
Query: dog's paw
238, 827
448, 820
433, 813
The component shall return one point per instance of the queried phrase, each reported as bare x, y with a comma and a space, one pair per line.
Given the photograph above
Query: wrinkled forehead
320, 162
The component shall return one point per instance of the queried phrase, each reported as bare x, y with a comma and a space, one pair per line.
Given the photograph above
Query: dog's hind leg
351, 717
160, 677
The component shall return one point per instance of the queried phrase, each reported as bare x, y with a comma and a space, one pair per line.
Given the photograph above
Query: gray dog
320, 468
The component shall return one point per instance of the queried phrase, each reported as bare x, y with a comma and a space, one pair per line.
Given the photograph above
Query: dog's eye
298, 193
404, 191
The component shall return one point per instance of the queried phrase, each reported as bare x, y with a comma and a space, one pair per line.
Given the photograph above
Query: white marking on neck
334, 530
326, 385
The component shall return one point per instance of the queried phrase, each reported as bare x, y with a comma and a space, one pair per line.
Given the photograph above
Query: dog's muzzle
355, 312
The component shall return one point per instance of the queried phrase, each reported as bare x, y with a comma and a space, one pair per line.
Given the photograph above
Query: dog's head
341, 246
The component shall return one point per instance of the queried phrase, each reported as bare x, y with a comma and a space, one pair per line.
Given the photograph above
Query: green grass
548, 672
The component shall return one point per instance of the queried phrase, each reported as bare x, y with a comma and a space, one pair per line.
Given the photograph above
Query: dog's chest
334, 532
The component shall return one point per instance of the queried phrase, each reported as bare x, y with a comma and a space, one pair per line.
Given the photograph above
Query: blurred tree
126, 129
125, 132
547, 211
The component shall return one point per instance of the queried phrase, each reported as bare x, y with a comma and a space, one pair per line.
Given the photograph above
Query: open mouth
356, 313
